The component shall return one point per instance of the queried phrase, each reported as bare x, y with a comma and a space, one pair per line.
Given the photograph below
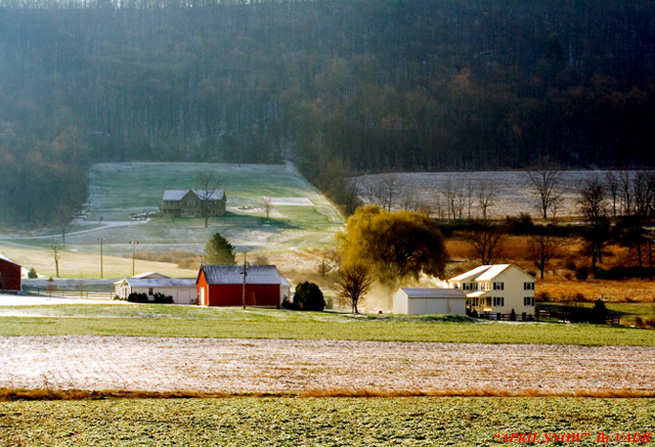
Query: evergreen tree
219, 251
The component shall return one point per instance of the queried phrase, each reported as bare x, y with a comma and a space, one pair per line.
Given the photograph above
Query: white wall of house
513, 293
510, 288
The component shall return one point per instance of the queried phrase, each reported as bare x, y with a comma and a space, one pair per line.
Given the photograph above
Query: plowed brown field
322, 367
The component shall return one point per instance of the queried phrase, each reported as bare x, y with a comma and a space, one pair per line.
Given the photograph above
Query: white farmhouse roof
486, 273
492, 272
150, 275
471, 274
433, 293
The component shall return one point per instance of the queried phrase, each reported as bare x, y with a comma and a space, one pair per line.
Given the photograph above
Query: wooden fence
541, 315
86, 294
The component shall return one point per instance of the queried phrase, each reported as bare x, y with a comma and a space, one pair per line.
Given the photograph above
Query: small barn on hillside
222, 285
10, 276
182, 290
410, 301
189, 203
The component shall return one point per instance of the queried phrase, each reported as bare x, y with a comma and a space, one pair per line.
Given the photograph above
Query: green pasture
120, 189
190, 321
293, 422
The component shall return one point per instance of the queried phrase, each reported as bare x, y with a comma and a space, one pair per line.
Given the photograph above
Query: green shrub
137, 298
32, 274
599, 313
582, 273
308, 296
163, 299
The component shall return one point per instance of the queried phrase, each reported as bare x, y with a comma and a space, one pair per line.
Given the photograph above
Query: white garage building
429, 301
183, 290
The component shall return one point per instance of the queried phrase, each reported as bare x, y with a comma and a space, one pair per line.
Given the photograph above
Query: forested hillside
377, 84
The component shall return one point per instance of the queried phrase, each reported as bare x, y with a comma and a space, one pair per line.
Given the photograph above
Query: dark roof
178, 194
233, 274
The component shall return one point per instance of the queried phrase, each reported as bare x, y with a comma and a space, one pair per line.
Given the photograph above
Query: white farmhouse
497, 289
429, 301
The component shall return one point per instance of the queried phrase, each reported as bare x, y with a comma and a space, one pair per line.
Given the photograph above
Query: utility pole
245, 273
134, 244
101, 241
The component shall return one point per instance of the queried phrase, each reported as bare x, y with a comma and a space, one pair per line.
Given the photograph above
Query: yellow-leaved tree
396, 245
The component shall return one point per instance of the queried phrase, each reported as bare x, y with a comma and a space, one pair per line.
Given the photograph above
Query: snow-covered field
321, 367
513, 191
23, 300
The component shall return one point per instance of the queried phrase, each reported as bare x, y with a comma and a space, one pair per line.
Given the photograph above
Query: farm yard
275, 377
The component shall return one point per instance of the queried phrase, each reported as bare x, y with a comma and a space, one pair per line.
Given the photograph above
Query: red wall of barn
9, 275
232, 294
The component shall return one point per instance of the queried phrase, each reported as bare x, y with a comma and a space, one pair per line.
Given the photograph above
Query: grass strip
248, 421
189, 321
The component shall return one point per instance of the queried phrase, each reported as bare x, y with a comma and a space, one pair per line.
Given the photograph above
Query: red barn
222, 285
9, 275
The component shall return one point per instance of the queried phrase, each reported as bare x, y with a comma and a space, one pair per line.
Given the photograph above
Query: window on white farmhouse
528, 286
499, 286
528, 301
499, 301
190, 203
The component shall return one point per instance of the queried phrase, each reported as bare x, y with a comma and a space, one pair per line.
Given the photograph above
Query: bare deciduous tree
438, 206
470, 190
625, 188
208, 183
643, 192
56, 245
546, 184
593, 205
542, 248
455, 195
354, 282
267, 204
486, 239
485, 194
613, 185
385, 190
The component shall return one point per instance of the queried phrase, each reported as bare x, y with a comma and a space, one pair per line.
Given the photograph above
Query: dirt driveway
322, 367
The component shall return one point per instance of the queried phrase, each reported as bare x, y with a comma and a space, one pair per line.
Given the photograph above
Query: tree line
351, 86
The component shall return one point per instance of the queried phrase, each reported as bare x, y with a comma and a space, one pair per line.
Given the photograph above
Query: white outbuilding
182, 290
410, 301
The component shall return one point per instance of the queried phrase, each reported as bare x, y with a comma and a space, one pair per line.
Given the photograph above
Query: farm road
322, 367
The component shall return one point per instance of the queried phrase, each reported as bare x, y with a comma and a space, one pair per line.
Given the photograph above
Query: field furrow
322, 367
